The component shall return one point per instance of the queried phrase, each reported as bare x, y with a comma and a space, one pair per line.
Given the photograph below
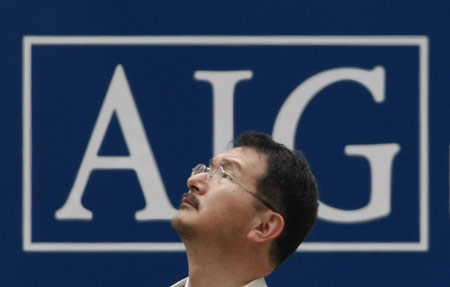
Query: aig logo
102, 116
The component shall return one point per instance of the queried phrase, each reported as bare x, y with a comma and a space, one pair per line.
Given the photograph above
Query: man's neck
210, 265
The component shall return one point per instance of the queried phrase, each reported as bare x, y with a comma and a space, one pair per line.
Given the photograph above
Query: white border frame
420, 41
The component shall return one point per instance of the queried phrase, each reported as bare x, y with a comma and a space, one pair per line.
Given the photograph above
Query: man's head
258, 192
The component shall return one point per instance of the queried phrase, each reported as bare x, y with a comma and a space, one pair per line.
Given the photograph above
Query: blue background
188, 144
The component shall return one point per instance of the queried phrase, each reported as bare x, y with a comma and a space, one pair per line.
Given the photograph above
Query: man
245, 213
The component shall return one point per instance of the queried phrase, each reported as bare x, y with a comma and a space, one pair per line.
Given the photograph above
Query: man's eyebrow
225, 162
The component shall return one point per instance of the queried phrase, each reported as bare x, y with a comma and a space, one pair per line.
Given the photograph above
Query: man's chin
180, 226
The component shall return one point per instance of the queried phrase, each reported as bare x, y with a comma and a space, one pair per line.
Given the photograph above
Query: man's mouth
190, 199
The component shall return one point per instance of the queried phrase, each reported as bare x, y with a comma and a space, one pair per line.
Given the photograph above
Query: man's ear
267, 227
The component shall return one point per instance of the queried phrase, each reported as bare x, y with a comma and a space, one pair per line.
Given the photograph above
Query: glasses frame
201, 168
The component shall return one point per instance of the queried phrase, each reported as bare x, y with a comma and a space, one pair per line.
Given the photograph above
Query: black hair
290, 187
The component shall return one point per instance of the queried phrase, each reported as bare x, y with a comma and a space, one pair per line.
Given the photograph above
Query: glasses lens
199, 168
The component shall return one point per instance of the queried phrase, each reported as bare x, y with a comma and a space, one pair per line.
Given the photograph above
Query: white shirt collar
260, 282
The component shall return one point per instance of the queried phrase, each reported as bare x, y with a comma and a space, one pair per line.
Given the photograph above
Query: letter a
119, 100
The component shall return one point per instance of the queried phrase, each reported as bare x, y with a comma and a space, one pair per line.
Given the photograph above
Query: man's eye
227, 175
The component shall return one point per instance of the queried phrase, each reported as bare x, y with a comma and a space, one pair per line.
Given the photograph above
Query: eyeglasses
219, 172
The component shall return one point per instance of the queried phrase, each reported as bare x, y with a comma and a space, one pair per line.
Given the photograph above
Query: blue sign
106, 116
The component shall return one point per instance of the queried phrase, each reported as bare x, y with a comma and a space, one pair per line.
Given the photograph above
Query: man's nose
198, 183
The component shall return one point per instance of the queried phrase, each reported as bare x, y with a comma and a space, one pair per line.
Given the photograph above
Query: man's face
220, 208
